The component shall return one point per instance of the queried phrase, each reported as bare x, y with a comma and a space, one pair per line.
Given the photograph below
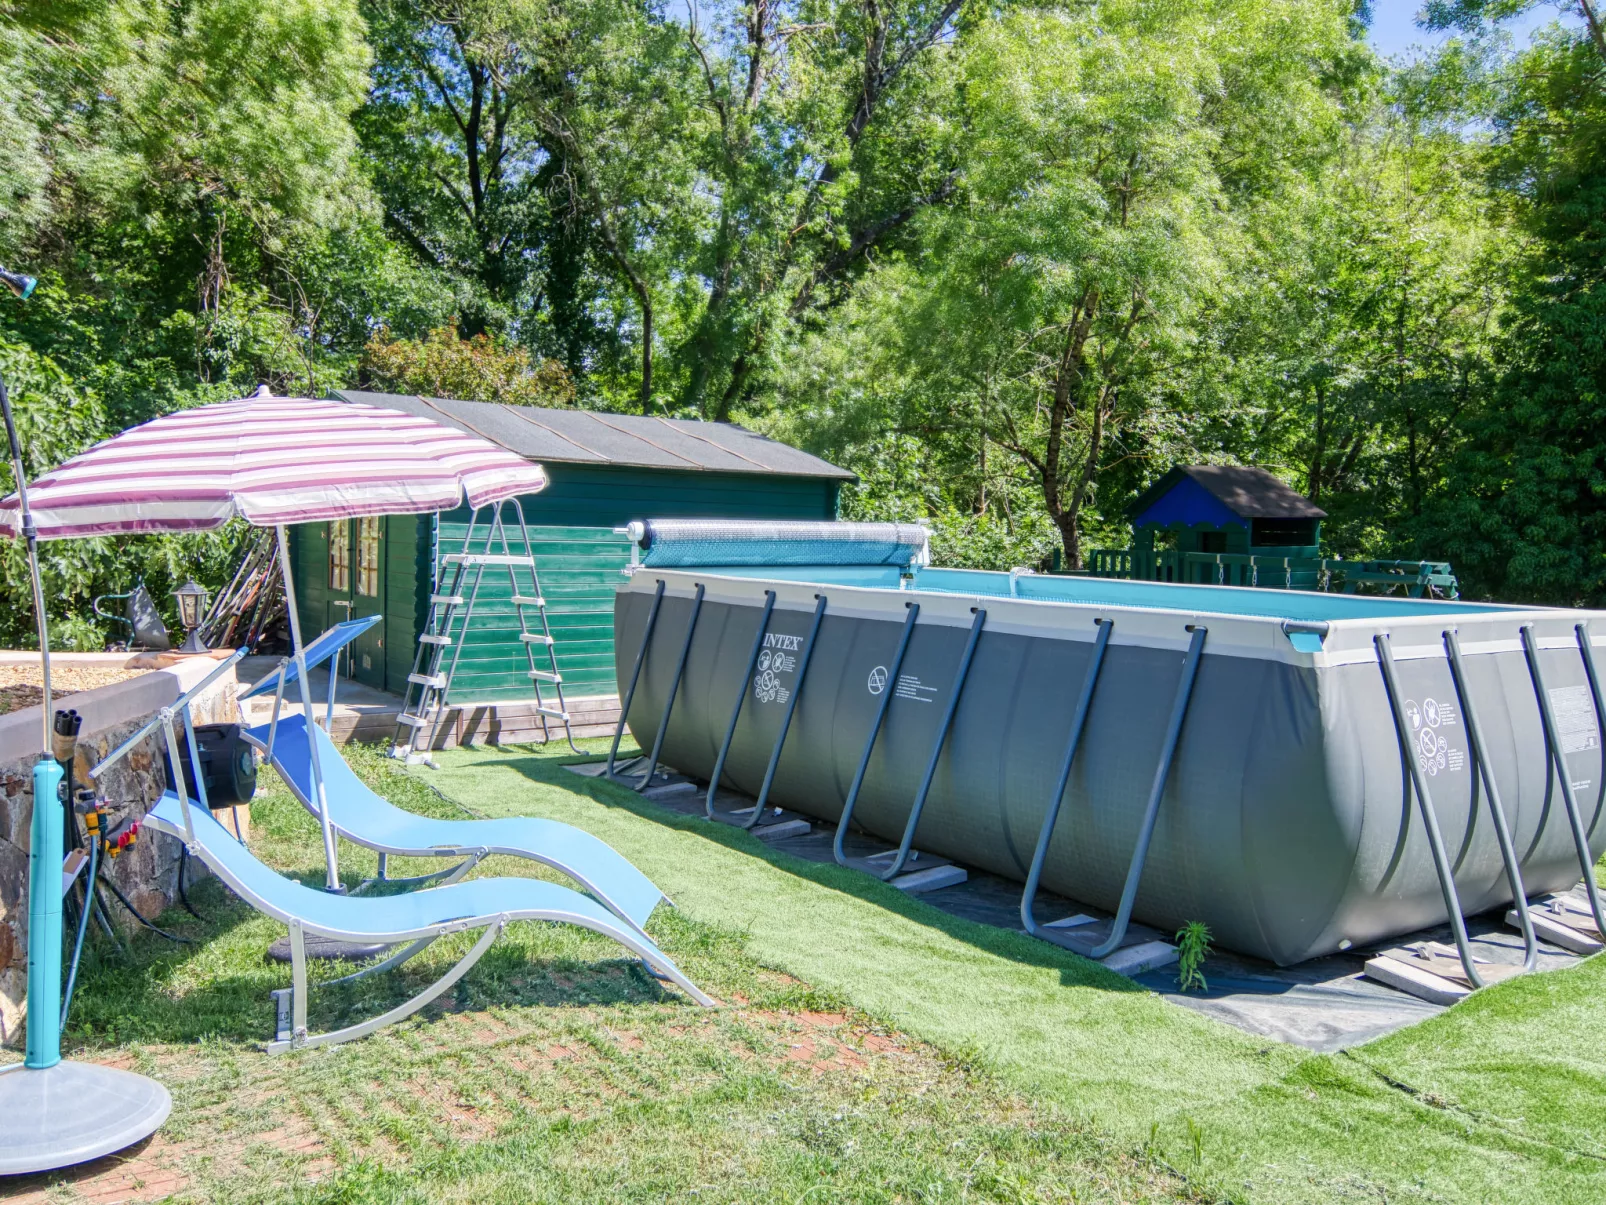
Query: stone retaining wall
148, 873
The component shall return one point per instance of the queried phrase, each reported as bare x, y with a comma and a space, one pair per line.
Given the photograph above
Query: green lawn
873, 1048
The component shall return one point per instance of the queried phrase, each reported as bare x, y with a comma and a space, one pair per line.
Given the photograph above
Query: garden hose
83, 927
183, 864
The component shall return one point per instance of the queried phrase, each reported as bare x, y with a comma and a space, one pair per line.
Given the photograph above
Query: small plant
1193, 947
1195, 1130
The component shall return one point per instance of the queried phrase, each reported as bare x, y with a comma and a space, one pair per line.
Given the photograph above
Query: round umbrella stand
72, 1113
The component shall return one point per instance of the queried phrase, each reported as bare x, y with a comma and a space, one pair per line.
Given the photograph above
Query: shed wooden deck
365, 714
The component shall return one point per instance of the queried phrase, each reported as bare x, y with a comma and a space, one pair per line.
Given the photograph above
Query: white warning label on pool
1575, 718
911, 687
767, 687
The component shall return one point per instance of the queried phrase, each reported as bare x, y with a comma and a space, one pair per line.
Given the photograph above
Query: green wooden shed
604, 470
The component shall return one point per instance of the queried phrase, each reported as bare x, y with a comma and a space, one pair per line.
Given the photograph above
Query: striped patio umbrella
271, 461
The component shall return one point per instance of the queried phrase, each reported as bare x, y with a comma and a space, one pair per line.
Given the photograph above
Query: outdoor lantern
191, 610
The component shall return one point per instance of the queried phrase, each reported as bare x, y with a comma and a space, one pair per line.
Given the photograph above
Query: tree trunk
1313, 480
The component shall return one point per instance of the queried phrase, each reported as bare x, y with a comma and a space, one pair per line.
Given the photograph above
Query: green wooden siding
580, 560
408, 563
579, 569
577, 555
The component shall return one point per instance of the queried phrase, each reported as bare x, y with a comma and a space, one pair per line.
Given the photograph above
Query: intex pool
1286, 820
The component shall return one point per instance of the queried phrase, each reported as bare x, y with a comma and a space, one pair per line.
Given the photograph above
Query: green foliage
479, 369
1193, 947
1522, 509
1008, 264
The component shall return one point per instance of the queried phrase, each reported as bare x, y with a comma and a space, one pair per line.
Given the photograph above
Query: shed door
357, 588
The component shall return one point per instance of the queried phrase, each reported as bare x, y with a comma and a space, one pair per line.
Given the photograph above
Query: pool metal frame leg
736, 714
1140, 854
1424, 805
904, 846
1084, 703
887, 691
1497, 813
635, 674
791, 707
674, 689
1556, 762
1586, 650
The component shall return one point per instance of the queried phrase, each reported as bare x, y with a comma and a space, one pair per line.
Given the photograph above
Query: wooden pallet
1432, 971
1564, 920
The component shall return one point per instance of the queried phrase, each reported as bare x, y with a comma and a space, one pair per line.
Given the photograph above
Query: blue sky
1395, 32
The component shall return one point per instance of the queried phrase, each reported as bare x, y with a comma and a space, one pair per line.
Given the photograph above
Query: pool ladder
451, 613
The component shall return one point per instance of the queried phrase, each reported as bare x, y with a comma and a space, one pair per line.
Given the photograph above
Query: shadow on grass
1074, 970
218, 988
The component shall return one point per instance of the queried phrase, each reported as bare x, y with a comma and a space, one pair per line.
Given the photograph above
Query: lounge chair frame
204, 838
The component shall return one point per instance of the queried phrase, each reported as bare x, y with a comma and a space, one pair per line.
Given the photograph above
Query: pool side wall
1285, 825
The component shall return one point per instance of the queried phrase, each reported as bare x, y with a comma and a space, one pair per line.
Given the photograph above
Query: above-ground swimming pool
1285, 820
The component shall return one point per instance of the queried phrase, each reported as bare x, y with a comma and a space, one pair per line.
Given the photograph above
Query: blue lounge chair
365, 818
418, 918
368, 819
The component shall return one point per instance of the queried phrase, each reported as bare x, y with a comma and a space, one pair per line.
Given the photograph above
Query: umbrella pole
330, 856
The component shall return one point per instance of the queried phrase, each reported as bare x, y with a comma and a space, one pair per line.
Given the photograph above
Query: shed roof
590, 437
1247, 492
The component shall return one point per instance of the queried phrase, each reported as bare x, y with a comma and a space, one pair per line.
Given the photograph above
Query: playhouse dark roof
589, 437
1247, 493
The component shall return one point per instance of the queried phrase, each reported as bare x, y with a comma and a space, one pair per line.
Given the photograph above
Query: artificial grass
1499, 1099
556, 1071
1060, 1026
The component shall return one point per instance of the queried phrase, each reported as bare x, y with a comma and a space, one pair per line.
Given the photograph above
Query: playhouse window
1284, 533
368, 556
340, 555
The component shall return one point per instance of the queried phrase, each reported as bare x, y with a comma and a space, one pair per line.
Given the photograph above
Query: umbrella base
72, 1113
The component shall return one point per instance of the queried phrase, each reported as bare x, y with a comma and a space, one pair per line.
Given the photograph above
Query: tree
1523, 510
477, 369
1105, 172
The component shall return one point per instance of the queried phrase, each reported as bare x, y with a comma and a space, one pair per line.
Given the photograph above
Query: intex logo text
774, 640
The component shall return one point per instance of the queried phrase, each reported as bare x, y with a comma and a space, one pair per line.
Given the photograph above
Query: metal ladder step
524, 600
412, 721
516, 562
544, 675
452, 600
426, 638
436, 680
535, 638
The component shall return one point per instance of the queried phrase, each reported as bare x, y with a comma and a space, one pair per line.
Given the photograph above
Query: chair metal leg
736, 712
1424, 803
791, 708
635, 674
1481, 771
888, 689
1140, 855
1556, 762
447, 876
411, 950
674, 689
1084, 703
300, 1040
965, 659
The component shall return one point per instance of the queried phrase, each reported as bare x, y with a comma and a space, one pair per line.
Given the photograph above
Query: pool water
1308, 606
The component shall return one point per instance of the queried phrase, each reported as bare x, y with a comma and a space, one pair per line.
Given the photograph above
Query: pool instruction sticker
779, 657
1574, 710
1429, 722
